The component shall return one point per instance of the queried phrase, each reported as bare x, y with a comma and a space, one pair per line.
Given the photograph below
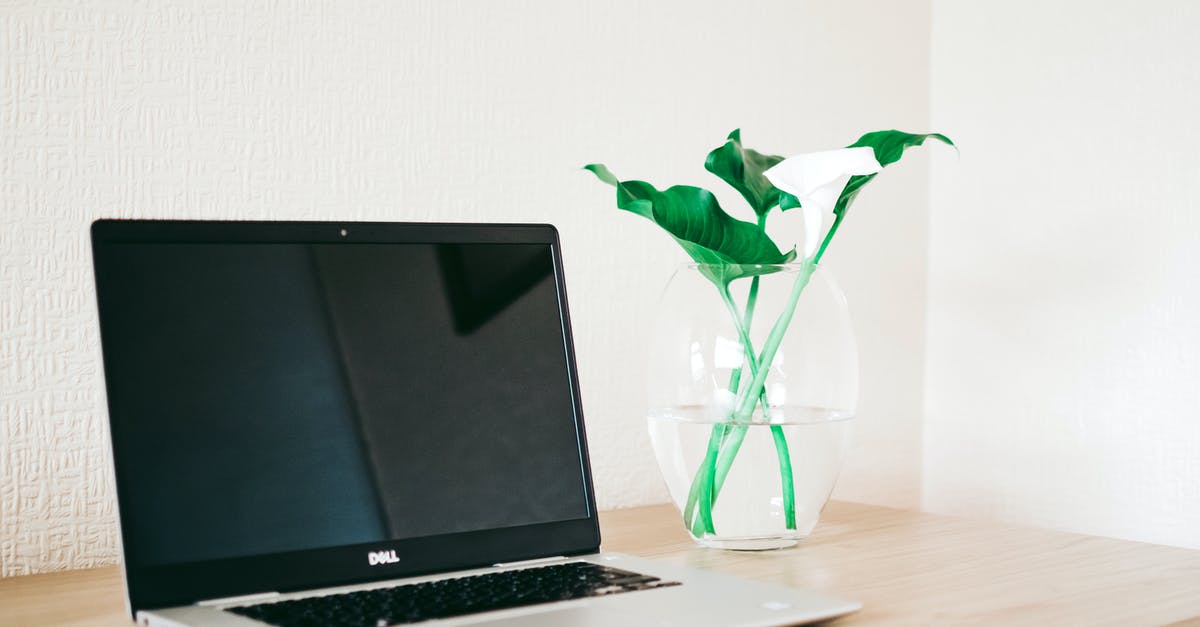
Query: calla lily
817, 179
823, 185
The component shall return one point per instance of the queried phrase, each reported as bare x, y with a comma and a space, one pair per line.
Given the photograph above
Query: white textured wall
429, 110
1064, 319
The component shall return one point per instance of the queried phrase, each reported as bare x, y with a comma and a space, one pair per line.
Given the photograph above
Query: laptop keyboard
452, 597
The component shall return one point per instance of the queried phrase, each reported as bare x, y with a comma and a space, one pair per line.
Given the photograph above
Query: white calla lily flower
817, 179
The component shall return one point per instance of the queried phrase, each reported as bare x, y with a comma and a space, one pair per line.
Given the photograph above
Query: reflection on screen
278, 397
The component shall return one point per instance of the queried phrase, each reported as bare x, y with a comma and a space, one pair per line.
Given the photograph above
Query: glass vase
753, 386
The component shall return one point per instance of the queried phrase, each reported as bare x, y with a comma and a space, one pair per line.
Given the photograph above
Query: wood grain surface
908, 568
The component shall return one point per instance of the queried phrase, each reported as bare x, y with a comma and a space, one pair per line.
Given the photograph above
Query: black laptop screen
294, 396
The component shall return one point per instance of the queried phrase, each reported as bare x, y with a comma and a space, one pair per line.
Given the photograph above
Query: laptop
367, 424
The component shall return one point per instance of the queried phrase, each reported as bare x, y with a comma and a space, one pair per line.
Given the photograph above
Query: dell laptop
366, 424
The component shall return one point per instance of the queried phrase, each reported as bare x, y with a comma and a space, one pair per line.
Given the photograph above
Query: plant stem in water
701, 494
724, 442
771, 346
710, 477
716, 440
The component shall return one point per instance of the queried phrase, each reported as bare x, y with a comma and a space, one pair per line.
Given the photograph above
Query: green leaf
850, 192
743, 169
694, 218
788, 201
889, 146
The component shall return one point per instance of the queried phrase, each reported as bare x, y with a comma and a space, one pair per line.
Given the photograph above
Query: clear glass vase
753, 384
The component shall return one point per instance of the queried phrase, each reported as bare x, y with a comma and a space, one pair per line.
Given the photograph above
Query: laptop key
446, 598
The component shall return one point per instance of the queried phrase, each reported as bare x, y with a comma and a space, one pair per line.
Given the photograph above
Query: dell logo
376, 558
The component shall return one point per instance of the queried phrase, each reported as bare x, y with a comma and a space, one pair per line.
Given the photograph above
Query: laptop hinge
261, 596
529, 562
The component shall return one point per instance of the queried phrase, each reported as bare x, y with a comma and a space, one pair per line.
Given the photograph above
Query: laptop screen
272, 397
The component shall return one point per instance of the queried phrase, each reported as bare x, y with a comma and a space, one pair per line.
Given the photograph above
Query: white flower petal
817, 178
814, 227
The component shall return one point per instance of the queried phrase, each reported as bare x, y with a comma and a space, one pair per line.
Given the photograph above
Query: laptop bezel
151, 587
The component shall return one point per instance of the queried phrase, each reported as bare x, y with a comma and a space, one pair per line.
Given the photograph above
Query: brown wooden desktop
906, 567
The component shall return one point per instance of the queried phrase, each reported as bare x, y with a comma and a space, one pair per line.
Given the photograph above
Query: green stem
705, 496
701, 494
711, 478
735, 378
733, 441
716, 440
837, 221
771, 346
786, 479
746, 406
702, 524
749, 399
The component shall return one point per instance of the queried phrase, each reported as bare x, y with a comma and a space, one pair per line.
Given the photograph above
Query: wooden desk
906, 567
